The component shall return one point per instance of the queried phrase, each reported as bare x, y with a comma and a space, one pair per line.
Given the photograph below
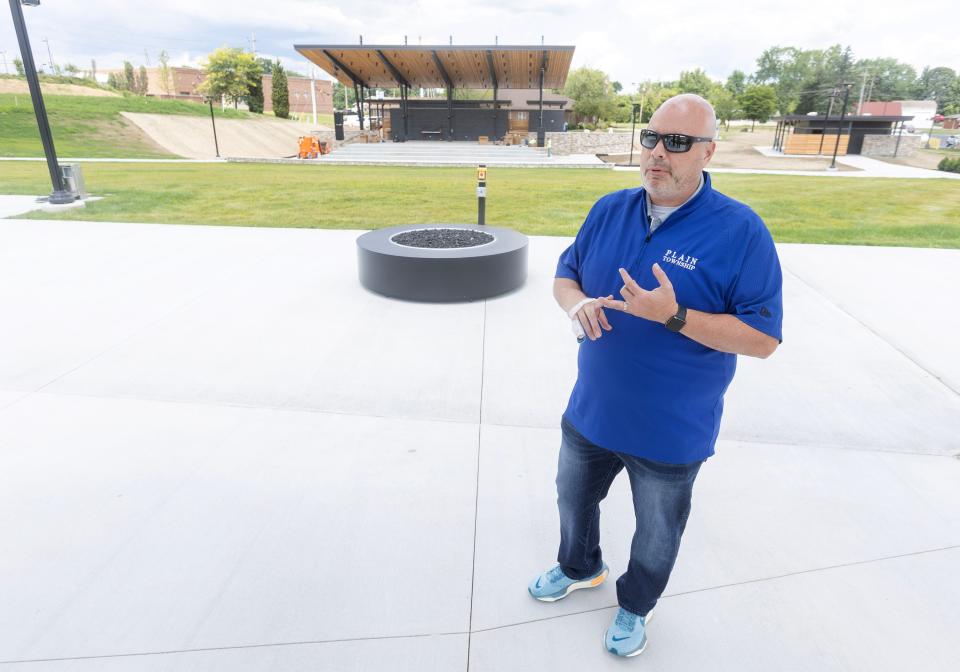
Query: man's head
670, 177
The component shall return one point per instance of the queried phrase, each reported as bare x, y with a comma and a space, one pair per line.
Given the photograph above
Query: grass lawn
89, 127
916, 213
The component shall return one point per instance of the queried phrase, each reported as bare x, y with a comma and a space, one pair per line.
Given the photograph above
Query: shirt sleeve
569, 265
757, 292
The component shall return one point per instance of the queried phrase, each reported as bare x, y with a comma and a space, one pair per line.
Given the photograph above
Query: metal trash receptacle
73, 179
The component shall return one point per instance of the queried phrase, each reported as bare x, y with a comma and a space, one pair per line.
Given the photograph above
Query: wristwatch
678, 321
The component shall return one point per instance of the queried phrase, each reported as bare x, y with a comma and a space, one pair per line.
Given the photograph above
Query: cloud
631, 41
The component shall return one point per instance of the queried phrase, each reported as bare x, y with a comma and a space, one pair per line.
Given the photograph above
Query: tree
116, 81
255, 97
93, 69
143, 83
886, 79
724, 104
343, 98
758, 102
71, 70
129, 78
617, 87
736, 83
166, 78
657, 94
940, 84
695, 81
18, 66
591, 92
280, 93
230, 72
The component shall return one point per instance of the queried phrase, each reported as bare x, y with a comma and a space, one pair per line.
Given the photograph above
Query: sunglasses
672, 142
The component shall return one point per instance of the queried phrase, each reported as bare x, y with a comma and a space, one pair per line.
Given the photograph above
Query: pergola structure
442, 66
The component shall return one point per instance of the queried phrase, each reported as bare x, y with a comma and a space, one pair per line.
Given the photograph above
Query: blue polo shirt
644, 390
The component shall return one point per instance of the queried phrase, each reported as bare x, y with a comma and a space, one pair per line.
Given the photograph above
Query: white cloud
631, 41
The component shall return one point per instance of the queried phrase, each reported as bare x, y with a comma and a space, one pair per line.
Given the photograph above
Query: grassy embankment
857, 211
90, 127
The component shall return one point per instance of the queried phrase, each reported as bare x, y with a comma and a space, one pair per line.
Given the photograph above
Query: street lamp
633, 126
60, 195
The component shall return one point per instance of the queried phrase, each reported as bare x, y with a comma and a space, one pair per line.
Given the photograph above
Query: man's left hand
657, 305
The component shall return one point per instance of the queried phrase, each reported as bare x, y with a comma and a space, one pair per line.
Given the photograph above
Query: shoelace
555, 574
626, 620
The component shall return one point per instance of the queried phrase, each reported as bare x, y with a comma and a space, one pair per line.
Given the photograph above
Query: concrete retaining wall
885, 145
594, 142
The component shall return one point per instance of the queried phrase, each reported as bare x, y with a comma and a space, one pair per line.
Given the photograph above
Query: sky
632, 41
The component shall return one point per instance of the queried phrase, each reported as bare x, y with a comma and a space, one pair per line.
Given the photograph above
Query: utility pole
253, 44
843, 112
863, 86
146, 58
870, 89
53, 66
313, 93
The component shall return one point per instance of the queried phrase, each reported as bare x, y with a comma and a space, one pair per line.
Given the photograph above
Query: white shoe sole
591, 583
643, 648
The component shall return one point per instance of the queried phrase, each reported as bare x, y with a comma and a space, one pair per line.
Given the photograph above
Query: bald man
667, 283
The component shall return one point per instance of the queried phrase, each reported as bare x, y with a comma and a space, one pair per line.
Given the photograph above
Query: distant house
922, 111
951, 122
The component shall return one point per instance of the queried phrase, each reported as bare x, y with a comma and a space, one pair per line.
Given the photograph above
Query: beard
667, 185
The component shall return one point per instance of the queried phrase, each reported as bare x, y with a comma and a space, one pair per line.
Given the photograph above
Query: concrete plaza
218, 452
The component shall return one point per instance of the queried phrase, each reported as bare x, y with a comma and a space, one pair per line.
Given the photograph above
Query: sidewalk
217, 451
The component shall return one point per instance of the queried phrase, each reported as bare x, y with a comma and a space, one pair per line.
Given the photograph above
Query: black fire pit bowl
442, 262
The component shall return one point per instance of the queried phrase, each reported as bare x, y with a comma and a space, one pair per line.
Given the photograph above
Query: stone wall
594, 142
884, 145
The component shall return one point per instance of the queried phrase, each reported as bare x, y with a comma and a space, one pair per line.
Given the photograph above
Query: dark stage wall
468, 123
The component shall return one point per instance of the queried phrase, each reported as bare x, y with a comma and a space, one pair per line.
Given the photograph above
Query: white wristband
575, 321
572, 313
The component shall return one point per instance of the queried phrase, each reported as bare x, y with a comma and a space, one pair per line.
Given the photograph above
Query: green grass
917, 213
88, 126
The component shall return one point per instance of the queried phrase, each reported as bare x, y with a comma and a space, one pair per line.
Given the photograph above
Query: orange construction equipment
312, 147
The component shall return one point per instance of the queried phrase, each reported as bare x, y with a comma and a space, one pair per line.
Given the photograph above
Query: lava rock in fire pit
442, 238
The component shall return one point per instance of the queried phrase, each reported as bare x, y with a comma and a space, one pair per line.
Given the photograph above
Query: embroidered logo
682, 260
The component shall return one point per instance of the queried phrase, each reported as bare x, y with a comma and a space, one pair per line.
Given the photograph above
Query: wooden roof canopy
443, 66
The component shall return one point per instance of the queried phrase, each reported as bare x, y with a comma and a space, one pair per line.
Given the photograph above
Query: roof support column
541, 134
358, 93
450, 113
404, 97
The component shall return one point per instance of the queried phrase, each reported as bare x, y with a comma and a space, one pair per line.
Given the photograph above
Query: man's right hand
592, 319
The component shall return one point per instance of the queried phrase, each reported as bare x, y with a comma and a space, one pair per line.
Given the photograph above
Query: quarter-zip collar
689, 206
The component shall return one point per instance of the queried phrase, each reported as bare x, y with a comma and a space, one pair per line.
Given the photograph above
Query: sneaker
554, 585
627, 635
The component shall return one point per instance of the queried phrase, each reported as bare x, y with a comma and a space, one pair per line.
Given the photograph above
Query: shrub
949, 165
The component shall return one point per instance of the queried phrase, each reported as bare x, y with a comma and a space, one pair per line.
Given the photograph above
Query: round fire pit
442, 262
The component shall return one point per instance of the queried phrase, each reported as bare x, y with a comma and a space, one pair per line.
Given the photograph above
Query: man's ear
711, 148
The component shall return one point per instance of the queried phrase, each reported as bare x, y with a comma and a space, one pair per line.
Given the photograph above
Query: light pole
216, 145
633, 127
60, 195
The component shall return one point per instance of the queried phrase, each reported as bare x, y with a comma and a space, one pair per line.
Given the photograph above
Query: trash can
338, 125
73, 180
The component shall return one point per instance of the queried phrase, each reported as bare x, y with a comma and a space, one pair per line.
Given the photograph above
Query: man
699, 282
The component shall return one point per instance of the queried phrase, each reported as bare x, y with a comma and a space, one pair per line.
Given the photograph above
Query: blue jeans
661, 502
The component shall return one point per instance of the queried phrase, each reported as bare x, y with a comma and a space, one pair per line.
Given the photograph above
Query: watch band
678, 321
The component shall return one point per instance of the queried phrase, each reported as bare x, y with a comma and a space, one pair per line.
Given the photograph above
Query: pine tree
280, 93
142, 82
255, 97
129, 79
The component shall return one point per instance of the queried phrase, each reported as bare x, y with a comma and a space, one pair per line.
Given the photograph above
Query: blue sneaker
554, 585
627, 635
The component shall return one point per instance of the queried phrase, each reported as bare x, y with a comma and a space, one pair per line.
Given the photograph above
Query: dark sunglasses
672, 142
